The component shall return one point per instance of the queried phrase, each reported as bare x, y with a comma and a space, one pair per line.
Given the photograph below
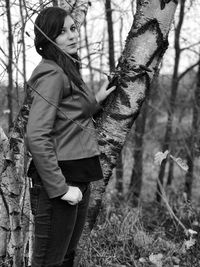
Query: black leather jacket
60, 125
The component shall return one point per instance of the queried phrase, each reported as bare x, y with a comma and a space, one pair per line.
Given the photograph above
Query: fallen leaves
156, 259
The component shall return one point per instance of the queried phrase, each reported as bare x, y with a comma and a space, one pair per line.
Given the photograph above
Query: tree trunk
41, 4
119, 165
193, 142
101, 60
23, 41
110, 35
133, 7
119, 175
14, 188
120, 33
55, 2
88, 56
170, 173
137, 171
172, 104
10, 64
4, 224
137, 66
135, 70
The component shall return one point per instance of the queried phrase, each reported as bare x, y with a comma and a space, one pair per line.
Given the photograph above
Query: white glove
73, 195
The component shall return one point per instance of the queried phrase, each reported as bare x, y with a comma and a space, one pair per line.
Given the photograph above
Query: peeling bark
144, 49
14, 188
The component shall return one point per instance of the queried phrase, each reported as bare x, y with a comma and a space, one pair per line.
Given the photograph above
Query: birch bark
145, 46
143, 52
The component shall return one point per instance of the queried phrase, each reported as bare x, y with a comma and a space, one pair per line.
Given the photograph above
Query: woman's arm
40, 126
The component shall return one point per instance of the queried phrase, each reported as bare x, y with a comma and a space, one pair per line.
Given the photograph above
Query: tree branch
187, 70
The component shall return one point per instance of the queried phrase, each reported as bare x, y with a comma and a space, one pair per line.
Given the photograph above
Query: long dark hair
48, 25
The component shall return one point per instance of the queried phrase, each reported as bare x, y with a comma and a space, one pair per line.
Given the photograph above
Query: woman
61, 138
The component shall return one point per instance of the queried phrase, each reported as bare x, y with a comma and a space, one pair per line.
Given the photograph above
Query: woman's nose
71, 35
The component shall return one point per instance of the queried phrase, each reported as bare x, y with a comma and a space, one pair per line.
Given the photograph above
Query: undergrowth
144, 236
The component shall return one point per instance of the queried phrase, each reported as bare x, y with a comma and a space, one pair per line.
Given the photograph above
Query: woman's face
68, 39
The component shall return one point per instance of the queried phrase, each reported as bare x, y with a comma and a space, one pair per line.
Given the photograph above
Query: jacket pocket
34, 198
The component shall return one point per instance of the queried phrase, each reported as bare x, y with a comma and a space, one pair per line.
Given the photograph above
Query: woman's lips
74, 44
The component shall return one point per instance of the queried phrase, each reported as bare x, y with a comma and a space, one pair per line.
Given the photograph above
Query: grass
144, 236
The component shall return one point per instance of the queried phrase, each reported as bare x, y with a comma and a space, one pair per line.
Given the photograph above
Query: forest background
148, 208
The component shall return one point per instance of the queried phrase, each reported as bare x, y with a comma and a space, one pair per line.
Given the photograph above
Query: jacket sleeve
40, 130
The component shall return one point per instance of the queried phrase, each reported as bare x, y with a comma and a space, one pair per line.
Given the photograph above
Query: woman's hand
73, 195
104, 92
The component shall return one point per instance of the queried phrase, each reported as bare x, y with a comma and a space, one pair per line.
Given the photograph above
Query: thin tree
23, 24
137, 170
88, 55
110, 35
10, 63
173, 94
193, 142
119, 165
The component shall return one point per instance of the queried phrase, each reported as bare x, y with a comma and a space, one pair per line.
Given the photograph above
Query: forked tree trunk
144, 49
145, 46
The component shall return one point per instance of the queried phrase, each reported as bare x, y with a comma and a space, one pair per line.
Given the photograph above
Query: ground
143, 237
152, 234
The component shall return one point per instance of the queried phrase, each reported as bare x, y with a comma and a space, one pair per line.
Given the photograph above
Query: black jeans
58, 226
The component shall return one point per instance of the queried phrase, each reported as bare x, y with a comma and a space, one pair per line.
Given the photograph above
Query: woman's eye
63, 31
73, 28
